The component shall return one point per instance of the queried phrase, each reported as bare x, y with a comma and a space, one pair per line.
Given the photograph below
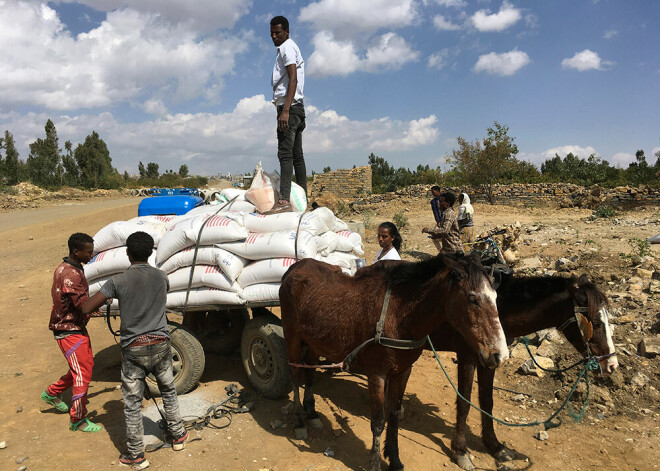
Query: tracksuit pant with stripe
77, 350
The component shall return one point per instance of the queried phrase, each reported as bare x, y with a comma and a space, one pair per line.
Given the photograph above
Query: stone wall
343, 183
564, 195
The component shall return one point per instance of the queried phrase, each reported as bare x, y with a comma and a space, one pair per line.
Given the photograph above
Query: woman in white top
389, 240
465, 218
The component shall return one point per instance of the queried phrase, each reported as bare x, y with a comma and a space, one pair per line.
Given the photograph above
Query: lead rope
590, 364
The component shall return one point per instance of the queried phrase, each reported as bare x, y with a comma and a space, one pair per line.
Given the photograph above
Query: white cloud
622, 159
350, 17
333, 57
563, 151
585, 60
655, 150
508, 15
437, 60
233, 141
130, 57
610, 33
504, 64
204, 15
450, 3
155, 106
442, 24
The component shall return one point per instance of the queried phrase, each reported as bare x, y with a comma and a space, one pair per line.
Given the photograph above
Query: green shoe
55, 401
88, 425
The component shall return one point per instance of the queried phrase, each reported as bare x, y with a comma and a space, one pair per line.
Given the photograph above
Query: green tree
183, 171
11, 163
639, 172
71, 170
126, 176
152, 170
94, 162
486, 162
44, 159
327, 169
141, 170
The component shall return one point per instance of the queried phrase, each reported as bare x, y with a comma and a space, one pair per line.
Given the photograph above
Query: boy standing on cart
145, 343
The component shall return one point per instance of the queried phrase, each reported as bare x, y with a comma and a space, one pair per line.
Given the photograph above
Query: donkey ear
456, 274
583, 280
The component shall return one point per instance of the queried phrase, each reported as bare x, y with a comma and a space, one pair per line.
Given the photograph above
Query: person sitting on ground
145, 344
447, 230
68, 321
465, 218
389, 240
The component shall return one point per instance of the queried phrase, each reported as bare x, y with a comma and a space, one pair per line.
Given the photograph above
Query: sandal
55, 401
88, 424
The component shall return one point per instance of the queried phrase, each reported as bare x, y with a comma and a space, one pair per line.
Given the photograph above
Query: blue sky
177, 82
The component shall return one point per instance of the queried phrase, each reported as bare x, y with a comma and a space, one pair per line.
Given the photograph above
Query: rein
378, 339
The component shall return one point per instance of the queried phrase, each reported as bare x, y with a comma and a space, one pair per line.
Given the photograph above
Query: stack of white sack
115, 234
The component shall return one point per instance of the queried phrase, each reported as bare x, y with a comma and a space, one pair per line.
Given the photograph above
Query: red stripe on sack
344, 233
287, 262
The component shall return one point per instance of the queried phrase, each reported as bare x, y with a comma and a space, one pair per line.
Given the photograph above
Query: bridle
586, 328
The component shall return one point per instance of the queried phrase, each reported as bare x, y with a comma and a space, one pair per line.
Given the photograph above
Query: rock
642, 273
639, 379
646, 411
519, 351
615, 380
529, 263
529, 368
510, 256
518, 398
551, 335
626, 319
286, 410
275, 424
546, 349
356, 226
3, 445
22, 468
19, 409
541, 435
602, 396
30, 238
301, 433
654, 287
649, 347
21, 460
315, 423
329, 452
562, 262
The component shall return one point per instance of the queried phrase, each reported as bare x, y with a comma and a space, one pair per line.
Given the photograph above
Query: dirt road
33, 243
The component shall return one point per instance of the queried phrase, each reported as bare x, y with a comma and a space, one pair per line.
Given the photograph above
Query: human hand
283, 121
425, 230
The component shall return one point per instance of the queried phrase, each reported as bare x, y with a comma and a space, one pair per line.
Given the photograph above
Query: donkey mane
425, 270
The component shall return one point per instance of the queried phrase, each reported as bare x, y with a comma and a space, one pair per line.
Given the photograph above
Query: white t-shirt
287, 54
391, 254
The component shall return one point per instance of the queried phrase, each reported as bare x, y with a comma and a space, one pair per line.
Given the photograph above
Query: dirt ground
620, 430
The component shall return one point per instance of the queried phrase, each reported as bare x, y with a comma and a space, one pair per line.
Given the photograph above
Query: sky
179, 82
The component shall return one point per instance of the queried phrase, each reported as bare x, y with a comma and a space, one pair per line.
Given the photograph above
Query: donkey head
471, 307
593, 330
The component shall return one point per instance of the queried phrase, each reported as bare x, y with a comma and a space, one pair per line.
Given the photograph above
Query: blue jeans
290, 151
137, 364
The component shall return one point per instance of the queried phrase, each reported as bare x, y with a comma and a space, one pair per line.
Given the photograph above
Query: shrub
602, 211
400, 220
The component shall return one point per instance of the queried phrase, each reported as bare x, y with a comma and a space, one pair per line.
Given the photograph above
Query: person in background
288, 80
389, 240
465, 218
145, 345
447, 230
435, 203
68, 321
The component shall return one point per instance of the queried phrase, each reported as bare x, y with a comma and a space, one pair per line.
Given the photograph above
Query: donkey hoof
315, 423
504, 455
300, 433
465, 462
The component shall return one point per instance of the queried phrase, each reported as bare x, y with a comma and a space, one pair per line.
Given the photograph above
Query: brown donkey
328, 314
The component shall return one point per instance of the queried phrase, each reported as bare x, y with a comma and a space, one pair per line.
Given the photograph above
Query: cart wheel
263, 353
187, 361
222, 330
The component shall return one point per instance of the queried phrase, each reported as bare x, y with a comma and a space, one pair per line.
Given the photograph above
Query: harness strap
567, 323
383, 312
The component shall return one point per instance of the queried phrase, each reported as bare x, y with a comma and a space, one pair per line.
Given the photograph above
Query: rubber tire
263, 353
188, 361
232, 322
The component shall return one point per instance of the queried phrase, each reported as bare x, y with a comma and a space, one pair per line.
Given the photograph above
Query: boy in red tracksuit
68, 323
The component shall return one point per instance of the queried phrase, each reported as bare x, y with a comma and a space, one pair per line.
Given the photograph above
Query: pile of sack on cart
240, 255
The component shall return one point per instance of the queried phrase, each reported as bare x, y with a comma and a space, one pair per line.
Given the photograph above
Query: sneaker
55, 401
280, 207
179, 444
135, 462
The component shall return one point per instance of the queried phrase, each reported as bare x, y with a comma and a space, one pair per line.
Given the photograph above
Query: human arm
283, 119
444, 226
92, 304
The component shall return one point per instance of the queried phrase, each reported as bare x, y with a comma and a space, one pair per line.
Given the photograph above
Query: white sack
229, 193
273, 245
350, 242
234, 209
229, 263
184, 234
341, 259
164, 220
110, 262
326, 243
115, 234
298, 198
262, 292
286, 221
326, 215
269, 270
204, 275
339, 225
95, 286
201, 296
